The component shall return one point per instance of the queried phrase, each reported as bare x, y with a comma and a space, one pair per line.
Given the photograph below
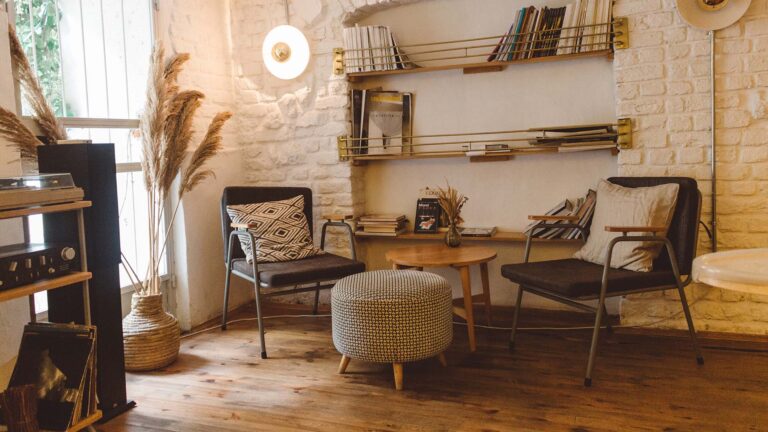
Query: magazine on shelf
382, 122
580, 26
428, 213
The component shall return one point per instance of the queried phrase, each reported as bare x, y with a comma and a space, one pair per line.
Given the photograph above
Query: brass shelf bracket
338, 61
341, 143
620, 33
624, 129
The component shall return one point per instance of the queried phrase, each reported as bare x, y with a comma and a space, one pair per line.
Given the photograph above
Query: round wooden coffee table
459, 258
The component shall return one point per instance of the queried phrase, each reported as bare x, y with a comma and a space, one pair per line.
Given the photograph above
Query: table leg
466, 286
486, 292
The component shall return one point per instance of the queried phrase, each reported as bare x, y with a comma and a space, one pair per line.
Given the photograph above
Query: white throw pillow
620, 206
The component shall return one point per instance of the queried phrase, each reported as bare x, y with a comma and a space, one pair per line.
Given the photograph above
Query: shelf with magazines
500, 236
581, 29
489, 146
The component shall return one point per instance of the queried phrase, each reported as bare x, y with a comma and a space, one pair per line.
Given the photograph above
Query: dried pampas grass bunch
50, 126
21, 138
167, 131
451, 201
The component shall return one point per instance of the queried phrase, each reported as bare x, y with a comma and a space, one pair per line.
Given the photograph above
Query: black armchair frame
258, 284
600, 311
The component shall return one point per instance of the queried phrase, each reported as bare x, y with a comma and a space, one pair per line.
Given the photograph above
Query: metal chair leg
608, 326
595, 337
691, 329
227, 280
262, 345
516, 317
317, 299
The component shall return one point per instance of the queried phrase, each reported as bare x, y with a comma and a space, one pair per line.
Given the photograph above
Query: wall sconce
285, 50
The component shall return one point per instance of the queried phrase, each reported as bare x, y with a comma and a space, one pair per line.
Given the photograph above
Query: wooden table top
439, 255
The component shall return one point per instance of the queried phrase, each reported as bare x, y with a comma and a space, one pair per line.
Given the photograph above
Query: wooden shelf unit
501, 236
43, 209
44, 285
478, 67
82, 276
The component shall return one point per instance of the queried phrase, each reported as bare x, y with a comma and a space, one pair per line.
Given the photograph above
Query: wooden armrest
338, 217
242, 225
552, 218
626, 229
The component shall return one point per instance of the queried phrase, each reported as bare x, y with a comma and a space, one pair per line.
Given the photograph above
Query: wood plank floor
645, 381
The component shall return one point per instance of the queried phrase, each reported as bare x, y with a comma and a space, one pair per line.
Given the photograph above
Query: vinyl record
712, 14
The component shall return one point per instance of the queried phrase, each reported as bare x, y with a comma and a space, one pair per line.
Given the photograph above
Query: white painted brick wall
662, 82
288, 129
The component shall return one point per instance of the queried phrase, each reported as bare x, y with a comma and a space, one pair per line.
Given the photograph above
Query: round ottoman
391, 316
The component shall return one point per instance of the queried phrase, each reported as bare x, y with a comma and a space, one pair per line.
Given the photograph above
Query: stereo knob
28, 263
68, 254
13, 265
43, 261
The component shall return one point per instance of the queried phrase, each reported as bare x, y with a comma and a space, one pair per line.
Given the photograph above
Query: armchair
571, 281
304, 275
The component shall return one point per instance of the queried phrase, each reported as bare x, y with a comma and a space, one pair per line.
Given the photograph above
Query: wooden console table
460, 258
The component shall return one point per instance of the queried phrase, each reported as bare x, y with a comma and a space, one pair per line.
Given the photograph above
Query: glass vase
453, 237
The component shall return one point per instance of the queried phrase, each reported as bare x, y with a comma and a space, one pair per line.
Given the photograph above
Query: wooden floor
642, 381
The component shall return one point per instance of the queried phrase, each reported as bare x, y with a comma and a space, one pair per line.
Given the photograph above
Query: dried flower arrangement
451, 201
11, 127
167, 130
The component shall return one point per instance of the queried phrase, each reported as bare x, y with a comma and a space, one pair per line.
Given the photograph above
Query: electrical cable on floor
675, 315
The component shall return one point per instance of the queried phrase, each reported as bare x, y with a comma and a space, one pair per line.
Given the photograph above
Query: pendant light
712, 15
285, 50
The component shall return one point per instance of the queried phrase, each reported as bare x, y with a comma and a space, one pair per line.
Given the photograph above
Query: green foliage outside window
37, 25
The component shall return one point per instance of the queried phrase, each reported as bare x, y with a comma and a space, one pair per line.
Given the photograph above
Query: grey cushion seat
392, 316
319, 267
575, 278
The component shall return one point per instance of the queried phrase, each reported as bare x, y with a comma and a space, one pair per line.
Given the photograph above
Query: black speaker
93, 169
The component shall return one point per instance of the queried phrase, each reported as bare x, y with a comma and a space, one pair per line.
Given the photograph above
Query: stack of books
383, 225
581, 26
373, 48
577, 138
583, 209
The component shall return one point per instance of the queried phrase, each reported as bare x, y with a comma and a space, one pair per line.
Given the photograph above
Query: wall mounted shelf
546, 45
491, 146
478, 67
500, 236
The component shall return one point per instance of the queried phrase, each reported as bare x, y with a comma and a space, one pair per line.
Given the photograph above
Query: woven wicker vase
150, 334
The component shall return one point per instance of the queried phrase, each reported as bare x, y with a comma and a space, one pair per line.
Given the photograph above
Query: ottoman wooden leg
343, 364
398, 368
442, 360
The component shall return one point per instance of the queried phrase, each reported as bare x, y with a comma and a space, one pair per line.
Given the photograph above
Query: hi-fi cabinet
93, 169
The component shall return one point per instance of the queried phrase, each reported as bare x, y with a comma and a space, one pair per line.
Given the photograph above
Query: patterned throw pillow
279, 227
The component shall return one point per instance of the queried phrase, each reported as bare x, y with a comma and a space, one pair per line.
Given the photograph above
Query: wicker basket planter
150, 334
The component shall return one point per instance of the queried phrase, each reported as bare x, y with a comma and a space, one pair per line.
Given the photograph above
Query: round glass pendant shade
712, 14
285, 52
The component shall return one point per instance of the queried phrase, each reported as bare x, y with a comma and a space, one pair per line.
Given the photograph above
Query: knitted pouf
391, 316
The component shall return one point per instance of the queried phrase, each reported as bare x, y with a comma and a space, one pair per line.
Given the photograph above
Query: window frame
168, 279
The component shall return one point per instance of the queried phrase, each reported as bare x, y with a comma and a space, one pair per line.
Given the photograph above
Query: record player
34, 190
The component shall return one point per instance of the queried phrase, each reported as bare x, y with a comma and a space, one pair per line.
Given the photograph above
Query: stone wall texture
663, 83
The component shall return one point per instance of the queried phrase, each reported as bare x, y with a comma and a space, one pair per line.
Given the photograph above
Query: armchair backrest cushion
616, 205
279, 229
237, 195
683, 231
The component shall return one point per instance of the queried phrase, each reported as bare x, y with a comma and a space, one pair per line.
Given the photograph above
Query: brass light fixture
285, 50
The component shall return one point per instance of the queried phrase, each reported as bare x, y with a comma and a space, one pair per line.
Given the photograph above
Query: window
91, 57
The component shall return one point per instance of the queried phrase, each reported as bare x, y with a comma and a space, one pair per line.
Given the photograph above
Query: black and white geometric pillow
279, 227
